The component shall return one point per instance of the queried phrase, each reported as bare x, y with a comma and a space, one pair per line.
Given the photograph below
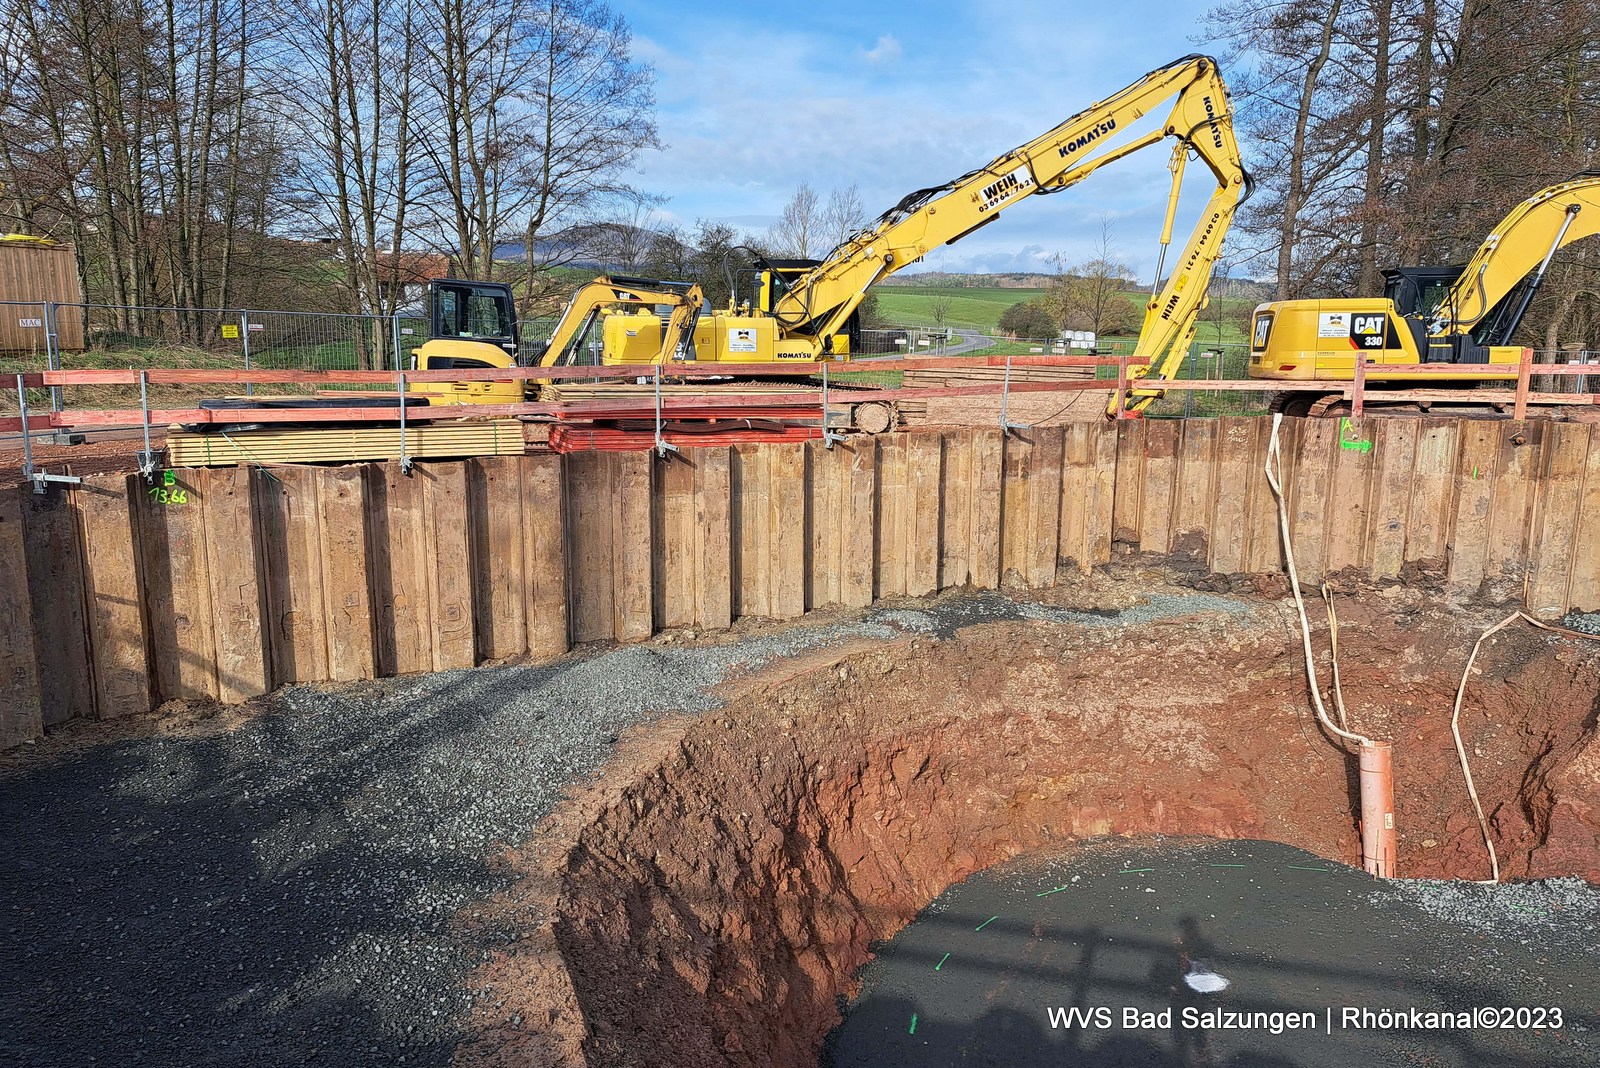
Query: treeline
218, 153
1398, 132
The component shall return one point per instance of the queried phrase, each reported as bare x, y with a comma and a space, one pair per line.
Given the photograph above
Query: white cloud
887, 50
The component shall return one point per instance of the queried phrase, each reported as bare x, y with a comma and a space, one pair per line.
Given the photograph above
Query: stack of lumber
628, 400
980, 376
564, 438
344, 444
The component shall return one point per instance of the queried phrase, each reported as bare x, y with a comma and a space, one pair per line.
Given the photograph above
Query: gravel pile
1583, 622
285, 892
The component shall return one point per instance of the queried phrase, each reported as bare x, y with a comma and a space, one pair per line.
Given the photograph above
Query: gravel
287, 892
1583, 622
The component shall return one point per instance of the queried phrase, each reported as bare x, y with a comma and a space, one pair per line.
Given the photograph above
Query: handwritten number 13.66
166, 495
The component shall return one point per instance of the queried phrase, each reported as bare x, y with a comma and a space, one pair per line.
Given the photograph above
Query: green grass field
979, 307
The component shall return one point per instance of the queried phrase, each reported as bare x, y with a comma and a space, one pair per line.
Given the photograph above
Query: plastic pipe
1377, 809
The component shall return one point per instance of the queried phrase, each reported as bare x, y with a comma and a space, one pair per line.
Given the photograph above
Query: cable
1273, 454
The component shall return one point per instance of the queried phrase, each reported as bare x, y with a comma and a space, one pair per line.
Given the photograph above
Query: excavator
806, 310
1456, 316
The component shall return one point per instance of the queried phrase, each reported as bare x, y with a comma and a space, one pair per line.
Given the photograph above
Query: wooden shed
32, 272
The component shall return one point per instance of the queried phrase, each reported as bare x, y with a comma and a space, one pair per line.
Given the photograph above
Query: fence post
395, 327
1521, 409
52, 351
244, 338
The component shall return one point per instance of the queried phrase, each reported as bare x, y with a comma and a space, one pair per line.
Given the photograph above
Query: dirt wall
709, 902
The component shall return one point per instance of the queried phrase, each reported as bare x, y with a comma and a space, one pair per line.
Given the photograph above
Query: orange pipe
1377, 809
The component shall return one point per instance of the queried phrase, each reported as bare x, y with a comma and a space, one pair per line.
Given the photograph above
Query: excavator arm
685, 299
816, 305
1517, 249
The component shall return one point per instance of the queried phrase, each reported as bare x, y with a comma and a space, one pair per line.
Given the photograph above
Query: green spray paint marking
1348, 442
1302, 867
1224, 865
985, 923
913, 1024
942, 959
1047, 893
1130, 871
1539, 912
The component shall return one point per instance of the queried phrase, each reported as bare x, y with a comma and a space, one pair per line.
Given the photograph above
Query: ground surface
433, 868
976, 978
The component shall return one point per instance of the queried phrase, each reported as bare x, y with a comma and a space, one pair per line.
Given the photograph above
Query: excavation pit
714, 898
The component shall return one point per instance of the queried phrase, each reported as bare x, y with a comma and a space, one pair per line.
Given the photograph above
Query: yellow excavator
1462, 315
474, 324
807, 310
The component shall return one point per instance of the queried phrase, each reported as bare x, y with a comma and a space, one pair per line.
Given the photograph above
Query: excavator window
473, 311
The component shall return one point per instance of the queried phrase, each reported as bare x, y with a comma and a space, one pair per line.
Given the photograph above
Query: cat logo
1369, 331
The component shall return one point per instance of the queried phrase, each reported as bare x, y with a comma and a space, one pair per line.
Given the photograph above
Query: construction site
694, 687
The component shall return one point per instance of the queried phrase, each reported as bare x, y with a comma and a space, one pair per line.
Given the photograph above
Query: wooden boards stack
311, 445
915, 410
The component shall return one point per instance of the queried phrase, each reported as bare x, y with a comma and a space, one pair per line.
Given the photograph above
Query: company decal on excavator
1200, 245
1211, 113
1005, 188
1087, 137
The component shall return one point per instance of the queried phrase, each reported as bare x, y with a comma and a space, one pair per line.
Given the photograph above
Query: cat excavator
1455, 316
805, 311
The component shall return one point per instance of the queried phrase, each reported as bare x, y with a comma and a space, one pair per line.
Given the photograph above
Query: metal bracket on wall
1006, 426
663, 446
405, 461
146, 459
829, 438
40, 479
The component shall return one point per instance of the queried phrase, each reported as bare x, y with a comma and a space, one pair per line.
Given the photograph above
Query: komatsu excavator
1462, 316
805, 311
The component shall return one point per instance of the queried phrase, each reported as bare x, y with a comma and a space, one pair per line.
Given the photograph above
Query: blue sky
753, 98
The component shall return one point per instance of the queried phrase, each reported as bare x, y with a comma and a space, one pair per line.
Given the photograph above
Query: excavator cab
774, 278
473, 325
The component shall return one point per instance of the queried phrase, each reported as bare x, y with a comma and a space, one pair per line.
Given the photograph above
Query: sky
754, 98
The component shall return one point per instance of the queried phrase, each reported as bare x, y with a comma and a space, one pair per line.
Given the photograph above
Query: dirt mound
712, 898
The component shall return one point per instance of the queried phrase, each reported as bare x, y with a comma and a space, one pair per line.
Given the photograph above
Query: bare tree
1091, 295
800, 228
843, 216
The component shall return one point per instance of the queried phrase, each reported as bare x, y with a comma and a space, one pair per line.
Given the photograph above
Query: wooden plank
1395, 457
177, 589
892, 540
399, 567
748, 469
21, 710
299, 615
1309, 501
233, 545
1518, 462
988, 471
1238, 473
674, 563
54, 571
1158, 503
787, 511
494, 510
1044, 506
345, 591
1077, 477
955, 513
1264, 551
924, 460
1196, 494
546, 550
1583, 591
857, 570
633, 613
822, 574
113, 595
713, 494
1351, 498
1102, 494
589, 490
1129, 488
1555, 536
1016, 506
1433, 489
1469, 528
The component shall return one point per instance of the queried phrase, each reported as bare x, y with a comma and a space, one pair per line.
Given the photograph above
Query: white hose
1273, 456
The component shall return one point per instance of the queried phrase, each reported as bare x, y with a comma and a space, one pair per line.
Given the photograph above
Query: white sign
407, 330
258, 326
1333, 324
741, 339
32, 323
